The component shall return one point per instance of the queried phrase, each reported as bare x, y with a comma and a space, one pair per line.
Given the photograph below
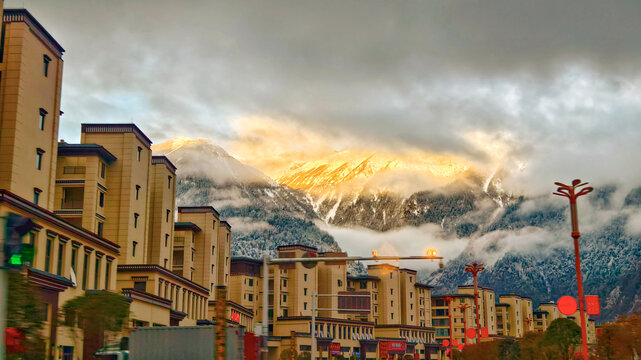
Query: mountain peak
203, 157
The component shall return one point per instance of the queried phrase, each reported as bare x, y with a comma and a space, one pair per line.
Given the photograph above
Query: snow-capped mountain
524, 241
263, 214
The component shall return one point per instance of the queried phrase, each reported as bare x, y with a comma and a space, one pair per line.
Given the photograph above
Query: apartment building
486, 303
548, 312
339, 331
519, 319
462, 312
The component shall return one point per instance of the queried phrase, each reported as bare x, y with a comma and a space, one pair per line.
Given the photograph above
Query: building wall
161, 215
221, 271
332, 279
121, 205
184, 247
409, 299
206, 245
515, 310
24, 90
389, 299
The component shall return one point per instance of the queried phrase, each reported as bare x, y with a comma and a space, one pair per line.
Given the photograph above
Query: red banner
484, 332
395, 347
335, 348
592, 305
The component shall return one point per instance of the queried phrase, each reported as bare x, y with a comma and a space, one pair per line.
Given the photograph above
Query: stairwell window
168, 181
100, 228
137, 191
103, 170
101, 199
39, 153
166, 240
139, 153
41, 119
133, 250
167, 215
45, 60
136, 215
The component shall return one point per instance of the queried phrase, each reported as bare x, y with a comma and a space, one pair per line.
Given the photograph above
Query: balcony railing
72, 204
73, 170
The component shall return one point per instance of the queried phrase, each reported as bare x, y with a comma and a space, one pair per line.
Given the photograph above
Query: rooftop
160, 159
186, 226
198, 209
22, 15
65, 149
116, 129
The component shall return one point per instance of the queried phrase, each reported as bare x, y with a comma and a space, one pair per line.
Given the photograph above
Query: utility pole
265, 331
569, 192
475, 269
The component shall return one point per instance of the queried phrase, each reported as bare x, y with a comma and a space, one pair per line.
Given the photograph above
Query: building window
140, 286
97, 274
392, 315
305, 291
251, 282
107, 271
101, 199
304, 277
166, 240
41, 119
61, 258
284, 282
100, 228
166, 261
85, 268
212, 268
103, 170
74, 255
284, 298
212, 250
139, 152
48, 254
39, 153
137, 191
391, 291
304, 306
250, 297
46, 60
168, 181
133, 251
136, 215
340, 283
167, 215
36, 195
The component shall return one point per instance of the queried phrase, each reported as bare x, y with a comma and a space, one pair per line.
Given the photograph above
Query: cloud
245, 224
633, 225
554, 84
408, 241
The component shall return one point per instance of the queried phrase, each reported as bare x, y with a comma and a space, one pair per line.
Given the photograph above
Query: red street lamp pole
449, 299
475, 269
570, 193
464, 307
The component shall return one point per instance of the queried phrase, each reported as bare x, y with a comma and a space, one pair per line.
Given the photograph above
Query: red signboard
335, 348
592, 305
484, 332
251, 346
235, 317
394, 347
567, 305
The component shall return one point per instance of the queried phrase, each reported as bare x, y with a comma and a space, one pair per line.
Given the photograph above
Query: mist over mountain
262, 213
523, 240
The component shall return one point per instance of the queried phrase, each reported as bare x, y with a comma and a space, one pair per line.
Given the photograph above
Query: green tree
288, 354
26, 312
509, 350
95, 313
563, 335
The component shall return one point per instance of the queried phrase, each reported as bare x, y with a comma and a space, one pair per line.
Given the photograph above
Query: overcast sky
551, 88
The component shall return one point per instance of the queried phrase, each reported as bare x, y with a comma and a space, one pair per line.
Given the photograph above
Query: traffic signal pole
4, 282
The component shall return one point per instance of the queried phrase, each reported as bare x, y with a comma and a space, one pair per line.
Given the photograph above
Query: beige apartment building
517, 316
548, 312
487, 309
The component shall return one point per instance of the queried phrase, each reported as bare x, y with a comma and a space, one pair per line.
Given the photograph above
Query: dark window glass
133, 252
39, 153
74, 255
137, 191
139, 152
41, 119
101, 199
103, 170
46, 60
85, 268
100, 228
136, 220
97, 274
48, 254
140, 285
61, 258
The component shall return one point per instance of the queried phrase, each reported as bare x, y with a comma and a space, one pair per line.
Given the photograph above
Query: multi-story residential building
460, 318
548, 312
31, 68
503, 321
519, 315
487, 310
291, 290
